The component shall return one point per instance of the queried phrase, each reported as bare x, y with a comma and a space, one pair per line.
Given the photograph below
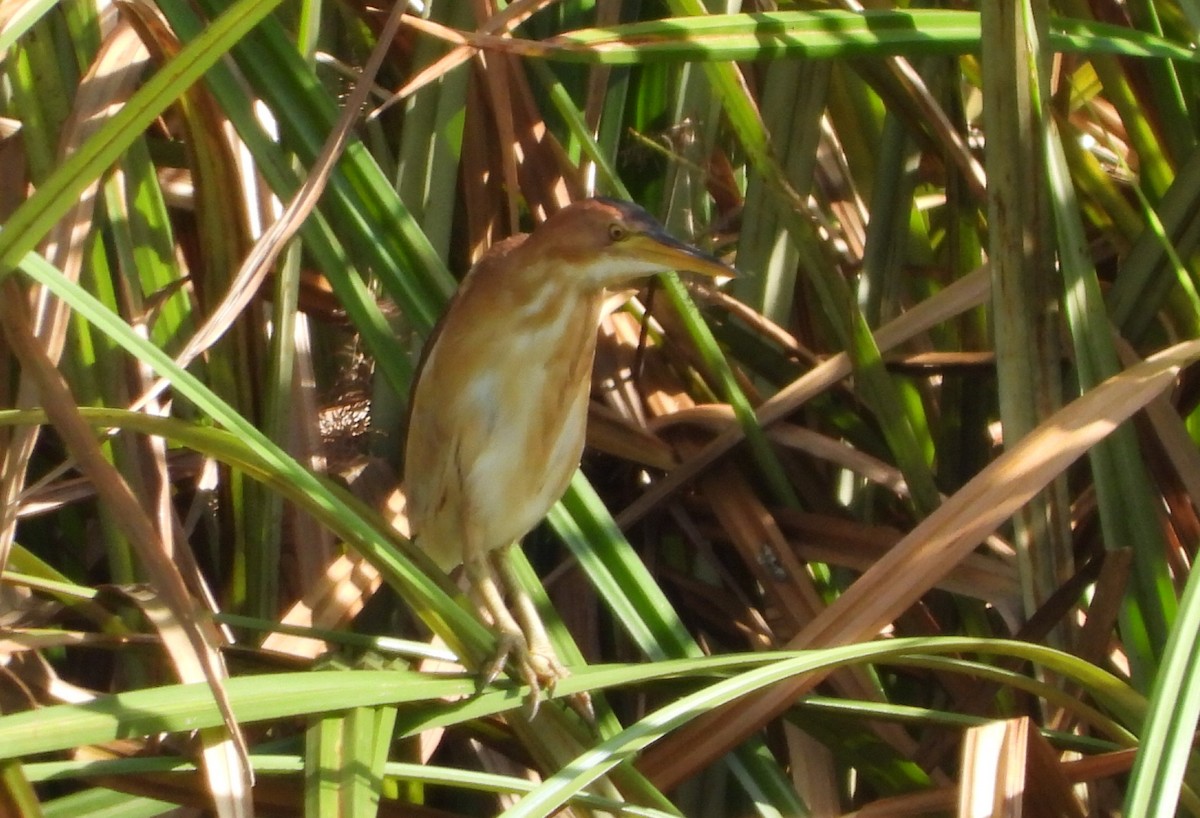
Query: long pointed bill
660, 248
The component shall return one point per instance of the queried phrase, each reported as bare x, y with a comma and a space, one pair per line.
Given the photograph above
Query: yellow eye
617, 232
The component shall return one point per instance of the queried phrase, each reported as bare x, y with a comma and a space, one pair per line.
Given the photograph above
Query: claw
538, 668
520, 636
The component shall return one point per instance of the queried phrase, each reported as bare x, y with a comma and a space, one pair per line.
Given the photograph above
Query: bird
498, 409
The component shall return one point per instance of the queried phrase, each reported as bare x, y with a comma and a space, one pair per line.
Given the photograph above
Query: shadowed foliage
900, 521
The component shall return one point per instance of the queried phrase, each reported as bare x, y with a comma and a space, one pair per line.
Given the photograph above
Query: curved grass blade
426, 596
57, 194
824, 34
555, 791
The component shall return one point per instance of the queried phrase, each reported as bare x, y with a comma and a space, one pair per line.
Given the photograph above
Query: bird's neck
528, 309
537, 293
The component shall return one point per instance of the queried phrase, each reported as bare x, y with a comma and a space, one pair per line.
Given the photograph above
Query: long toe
538, 668
507, 643
541, 671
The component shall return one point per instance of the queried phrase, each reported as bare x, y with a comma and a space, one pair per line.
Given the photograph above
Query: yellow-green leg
541, 651
523, 637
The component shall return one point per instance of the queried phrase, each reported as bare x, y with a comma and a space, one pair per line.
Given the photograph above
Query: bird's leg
536, 662
550, 669
482, 584
537, 640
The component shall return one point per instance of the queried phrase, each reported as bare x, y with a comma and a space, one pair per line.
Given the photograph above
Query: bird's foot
521, 636
537, 665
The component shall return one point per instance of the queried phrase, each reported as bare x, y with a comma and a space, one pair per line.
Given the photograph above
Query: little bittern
497, 417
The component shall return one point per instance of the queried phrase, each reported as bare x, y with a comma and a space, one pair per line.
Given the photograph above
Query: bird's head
604, 243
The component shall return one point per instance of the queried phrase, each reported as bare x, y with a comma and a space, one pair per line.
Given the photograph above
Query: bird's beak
659, 247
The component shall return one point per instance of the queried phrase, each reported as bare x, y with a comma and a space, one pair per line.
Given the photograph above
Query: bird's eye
617, 232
